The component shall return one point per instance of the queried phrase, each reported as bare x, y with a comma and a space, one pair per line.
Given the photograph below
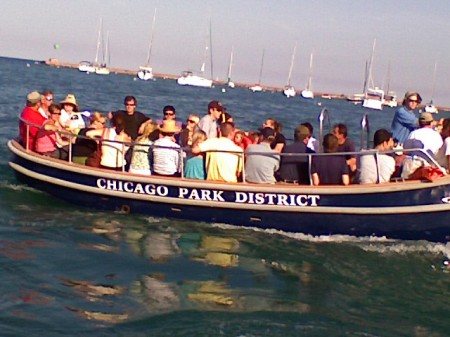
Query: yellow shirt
222, 166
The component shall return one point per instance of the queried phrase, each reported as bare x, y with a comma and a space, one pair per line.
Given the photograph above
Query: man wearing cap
31, 115
405, 120
430, 138
224, 161
295, 169
208, 123
261, 161
382, 166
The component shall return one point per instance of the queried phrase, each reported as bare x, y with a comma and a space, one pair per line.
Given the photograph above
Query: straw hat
70, 99
169, 126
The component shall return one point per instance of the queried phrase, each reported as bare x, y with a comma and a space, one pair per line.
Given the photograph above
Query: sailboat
188, 77
390, 98
145, 73
373, 96
258, 87
230, 83
308, 93
289, 90
103, 69
89, 67
430, 107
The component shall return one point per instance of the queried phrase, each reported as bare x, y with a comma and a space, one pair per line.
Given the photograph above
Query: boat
188, 77
103, 68
86, 66
390, 97
257, 87
289, 90
145, 73
409, 210
430, 107
373, 96
308, 93
230, 83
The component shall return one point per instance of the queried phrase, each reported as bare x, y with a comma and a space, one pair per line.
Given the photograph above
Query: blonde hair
97, 117
148, 130
198, 137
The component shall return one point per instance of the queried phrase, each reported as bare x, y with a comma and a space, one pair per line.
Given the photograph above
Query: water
68, 271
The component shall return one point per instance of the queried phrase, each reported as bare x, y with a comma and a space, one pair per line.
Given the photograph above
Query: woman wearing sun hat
69, 106
167, 161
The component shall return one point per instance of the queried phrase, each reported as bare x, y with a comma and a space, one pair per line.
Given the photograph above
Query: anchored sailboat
373, 96
289, 90
430, 107
258, 87
188, 78
145, 73
308, 93
230, 83
103, 68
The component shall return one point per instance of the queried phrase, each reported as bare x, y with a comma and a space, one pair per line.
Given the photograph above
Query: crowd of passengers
213, 149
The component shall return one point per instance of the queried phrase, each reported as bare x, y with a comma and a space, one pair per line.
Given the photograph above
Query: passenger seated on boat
313, 143
31, 115
413, 159
222, 166
167, 157
430, 138
69, 105
330, 169
50, 143
295, 169
345, 145
83, 146
241, 140
187, 132
115, 144
46, 101
280, 141
169, 113
377, 167
443, 155
209, 122
141, 151
195, 164
261, 161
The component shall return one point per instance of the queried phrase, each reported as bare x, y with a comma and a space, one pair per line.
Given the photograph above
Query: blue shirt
403, 123
195, 168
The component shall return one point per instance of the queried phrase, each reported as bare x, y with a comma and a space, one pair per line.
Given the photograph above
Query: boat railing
184, 152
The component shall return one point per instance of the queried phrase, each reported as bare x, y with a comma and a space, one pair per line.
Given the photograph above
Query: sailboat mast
149, 55
370, 80
434, 81
230, 65
211, 50
99, 36
262, 65
310, 71
291, 66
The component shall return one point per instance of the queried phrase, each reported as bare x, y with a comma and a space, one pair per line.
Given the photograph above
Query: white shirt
443, 153
368, 169
431, 139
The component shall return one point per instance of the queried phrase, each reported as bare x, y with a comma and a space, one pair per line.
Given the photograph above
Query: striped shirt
165, 160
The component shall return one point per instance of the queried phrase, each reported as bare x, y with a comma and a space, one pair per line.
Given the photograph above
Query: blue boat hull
417, 211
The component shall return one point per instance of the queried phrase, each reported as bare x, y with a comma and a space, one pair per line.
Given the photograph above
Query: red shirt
34, 117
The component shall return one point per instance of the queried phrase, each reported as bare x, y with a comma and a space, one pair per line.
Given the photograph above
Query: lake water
70, 271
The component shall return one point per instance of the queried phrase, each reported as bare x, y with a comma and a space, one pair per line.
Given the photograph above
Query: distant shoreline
56, 63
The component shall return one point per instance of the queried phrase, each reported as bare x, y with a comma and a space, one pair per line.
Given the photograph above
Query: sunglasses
56, 113
413, 100
128, 104
191, 121
49, 99
168, 114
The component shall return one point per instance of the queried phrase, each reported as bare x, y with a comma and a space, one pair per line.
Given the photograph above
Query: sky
412, 36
